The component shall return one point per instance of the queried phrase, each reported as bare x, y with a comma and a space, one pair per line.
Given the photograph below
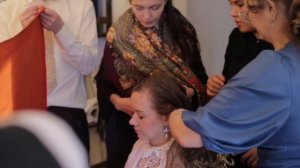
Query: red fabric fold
23, 71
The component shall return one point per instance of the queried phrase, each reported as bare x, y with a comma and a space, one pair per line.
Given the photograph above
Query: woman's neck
257, 35
159, 141
279, 33
279, 42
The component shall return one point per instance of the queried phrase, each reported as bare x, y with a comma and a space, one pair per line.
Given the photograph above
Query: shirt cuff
65, 37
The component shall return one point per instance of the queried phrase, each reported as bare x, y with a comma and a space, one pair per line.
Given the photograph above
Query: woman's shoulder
235, 33
288, 50
144, 145
139, 144
268, 66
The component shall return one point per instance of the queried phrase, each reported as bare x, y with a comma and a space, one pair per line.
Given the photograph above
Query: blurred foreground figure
32, 139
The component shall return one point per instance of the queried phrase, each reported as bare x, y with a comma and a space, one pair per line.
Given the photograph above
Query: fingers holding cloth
50, 19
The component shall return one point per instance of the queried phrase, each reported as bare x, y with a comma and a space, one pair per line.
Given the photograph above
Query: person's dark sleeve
231, 47
197, 67
195, 61
106, 82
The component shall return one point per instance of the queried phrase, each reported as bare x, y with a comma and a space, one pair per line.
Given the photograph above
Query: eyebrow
146, 7
138, 111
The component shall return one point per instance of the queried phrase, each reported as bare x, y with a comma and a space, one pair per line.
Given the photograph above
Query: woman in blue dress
260, 106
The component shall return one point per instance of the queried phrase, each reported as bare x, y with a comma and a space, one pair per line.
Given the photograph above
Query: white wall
119, 6
181, 5
213, 24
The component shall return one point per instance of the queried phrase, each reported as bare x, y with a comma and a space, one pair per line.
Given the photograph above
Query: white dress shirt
75, 46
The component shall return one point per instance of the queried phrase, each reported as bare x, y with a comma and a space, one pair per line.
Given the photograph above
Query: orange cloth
23, 71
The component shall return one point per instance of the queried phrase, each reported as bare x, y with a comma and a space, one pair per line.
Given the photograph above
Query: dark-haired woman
150, 36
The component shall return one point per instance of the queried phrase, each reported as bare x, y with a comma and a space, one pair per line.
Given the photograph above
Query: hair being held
167, 95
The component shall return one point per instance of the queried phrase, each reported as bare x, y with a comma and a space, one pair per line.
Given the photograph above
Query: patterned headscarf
141, 51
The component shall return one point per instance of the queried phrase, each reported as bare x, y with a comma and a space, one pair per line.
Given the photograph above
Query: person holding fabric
258, 107
71, 27
153, 99
150, 36
244, 45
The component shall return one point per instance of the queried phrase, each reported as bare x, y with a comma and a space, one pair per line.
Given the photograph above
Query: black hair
183, 34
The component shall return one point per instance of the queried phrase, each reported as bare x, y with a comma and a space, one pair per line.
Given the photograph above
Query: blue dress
259, 107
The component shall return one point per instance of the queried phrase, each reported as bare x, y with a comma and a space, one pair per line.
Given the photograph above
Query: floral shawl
141, 51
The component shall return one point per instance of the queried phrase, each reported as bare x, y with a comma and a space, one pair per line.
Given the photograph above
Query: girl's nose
132, 121
147, 15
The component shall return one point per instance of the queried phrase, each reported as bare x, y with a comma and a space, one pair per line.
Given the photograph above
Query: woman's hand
250, 158
122, 104
214, 85
188, 91
29, 15
51, 20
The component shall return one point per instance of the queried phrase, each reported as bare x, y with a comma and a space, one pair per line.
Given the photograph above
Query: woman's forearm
185, 136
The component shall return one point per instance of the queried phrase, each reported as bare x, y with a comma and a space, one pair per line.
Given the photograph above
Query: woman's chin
140, 136
148, 25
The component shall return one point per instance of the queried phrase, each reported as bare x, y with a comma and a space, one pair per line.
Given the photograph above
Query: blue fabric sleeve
249, 110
